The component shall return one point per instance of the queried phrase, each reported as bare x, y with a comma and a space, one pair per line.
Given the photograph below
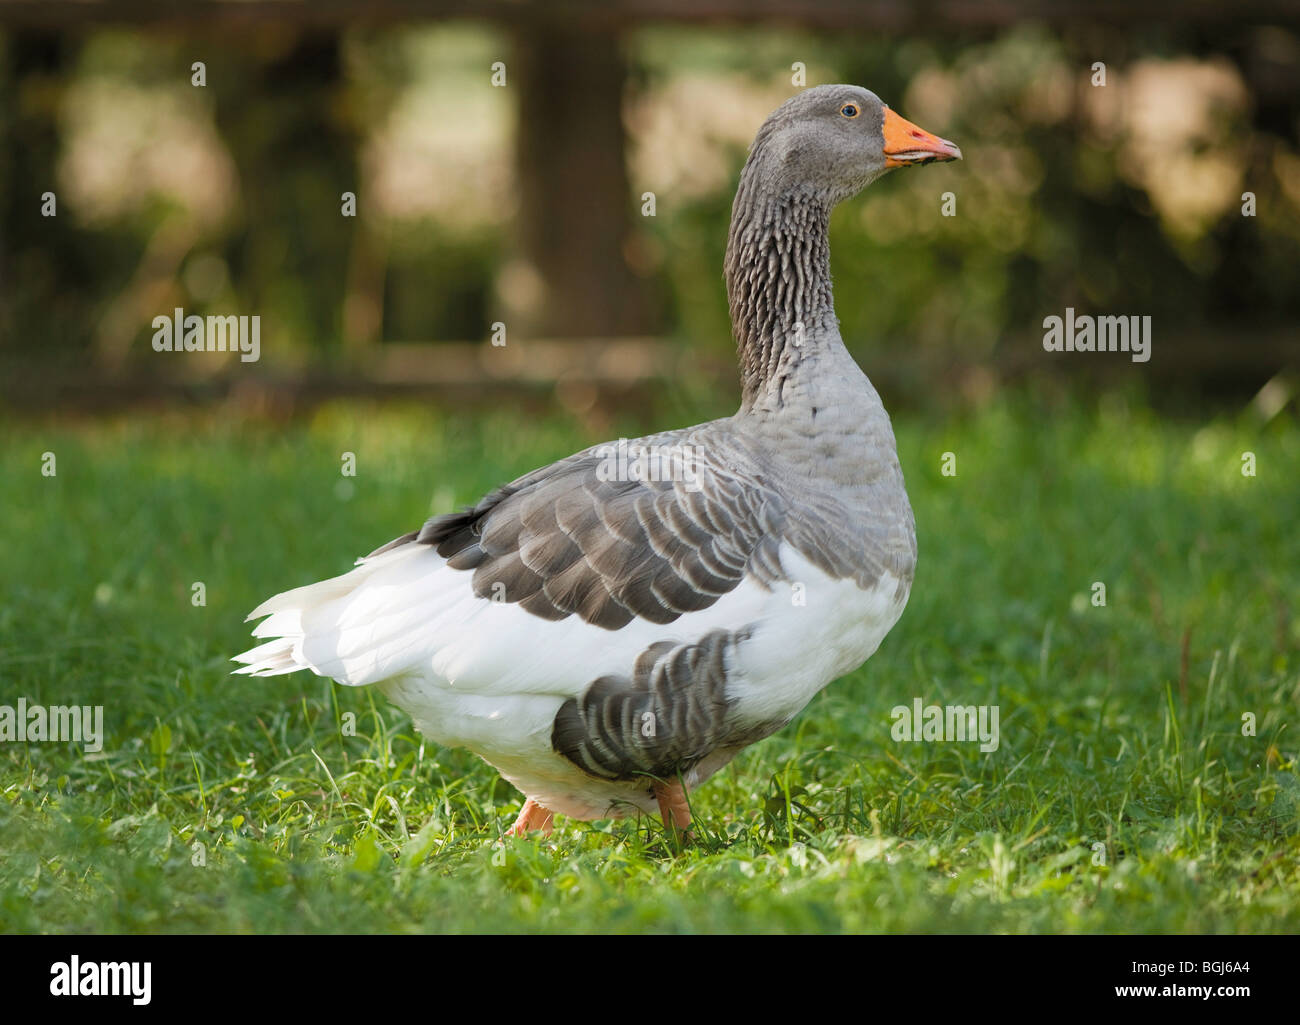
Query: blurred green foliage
1120, 199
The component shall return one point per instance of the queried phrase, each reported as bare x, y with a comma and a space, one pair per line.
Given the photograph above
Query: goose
610, 630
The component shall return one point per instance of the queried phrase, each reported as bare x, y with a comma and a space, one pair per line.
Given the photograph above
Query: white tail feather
358, 627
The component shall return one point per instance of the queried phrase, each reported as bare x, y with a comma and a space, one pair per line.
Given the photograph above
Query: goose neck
778, 280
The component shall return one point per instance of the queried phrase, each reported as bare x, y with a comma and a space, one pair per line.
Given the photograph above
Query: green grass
1108, 734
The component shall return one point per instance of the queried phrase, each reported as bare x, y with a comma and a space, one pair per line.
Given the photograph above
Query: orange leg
673, 807
532, 816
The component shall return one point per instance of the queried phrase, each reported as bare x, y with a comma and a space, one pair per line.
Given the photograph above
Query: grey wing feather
563, 541
671, 713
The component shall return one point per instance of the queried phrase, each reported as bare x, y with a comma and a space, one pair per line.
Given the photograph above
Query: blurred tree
573, 226
282, 111
48, 273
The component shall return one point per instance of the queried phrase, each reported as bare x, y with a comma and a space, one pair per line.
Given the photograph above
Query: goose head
834, 140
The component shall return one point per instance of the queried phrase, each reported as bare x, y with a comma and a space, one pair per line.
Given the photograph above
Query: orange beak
906, 144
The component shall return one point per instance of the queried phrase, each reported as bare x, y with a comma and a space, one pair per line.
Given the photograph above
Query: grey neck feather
803, 396
778, 275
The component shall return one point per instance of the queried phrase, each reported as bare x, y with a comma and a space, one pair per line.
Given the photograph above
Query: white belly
800, 639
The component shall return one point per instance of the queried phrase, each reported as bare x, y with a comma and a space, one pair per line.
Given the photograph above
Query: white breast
810, 637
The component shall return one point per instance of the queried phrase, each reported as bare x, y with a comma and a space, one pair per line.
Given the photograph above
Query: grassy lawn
1123, 797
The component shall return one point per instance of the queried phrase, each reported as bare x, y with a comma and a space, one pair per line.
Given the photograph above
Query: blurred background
584, 202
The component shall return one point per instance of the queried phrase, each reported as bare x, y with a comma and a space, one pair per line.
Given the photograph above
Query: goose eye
849, 110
